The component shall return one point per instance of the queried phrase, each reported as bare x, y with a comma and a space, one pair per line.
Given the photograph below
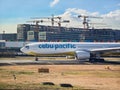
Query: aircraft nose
22, 49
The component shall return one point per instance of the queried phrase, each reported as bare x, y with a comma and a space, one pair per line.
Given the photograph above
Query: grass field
82, 77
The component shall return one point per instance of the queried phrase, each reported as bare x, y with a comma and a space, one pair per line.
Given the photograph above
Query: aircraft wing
105, 49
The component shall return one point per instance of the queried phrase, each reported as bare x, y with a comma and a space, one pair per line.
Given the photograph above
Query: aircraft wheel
101, 60
91, 60
36, 58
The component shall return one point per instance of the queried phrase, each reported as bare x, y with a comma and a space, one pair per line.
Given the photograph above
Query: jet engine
82, 55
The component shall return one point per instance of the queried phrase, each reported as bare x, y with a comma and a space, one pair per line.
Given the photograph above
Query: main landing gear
95, 58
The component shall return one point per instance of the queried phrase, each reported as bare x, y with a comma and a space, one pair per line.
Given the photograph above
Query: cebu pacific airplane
81, 50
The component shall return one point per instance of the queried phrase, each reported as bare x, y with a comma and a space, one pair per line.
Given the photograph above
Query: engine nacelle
82, 55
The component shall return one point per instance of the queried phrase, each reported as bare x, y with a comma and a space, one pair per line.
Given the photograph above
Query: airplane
81, 50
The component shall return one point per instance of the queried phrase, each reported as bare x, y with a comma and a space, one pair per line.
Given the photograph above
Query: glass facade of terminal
8, 36
27, 32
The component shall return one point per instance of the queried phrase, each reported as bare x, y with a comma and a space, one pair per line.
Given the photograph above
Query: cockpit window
27, 47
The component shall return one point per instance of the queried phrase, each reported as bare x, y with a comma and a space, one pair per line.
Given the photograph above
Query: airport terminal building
8, 36
28, 32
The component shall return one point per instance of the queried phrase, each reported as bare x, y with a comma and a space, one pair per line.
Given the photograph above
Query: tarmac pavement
53, 62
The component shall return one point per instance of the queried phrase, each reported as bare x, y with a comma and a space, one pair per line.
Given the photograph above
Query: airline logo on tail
57, 46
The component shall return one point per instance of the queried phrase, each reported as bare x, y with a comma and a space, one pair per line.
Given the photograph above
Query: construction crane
85, 20
85, 24
36, 24
48, 18
52, 19
60, 21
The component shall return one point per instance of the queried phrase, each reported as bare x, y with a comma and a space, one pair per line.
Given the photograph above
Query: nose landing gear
36, 58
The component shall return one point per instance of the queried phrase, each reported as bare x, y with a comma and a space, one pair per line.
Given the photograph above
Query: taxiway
52, 62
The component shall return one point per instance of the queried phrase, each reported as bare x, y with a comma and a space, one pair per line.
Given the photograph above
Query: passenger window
27, 47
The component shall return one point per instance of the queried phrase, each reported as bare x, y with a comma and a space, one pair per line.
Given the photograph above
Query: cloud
54, 2
113, 14
72, 15
118, 4
112, 19
75, 11
109, 20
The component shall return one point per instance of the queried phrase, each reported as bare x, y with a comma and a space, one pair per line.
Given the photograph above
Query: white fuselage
64, 47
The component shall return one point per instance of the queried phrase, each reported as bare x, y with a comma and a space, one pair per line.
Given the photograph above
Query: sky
14, 12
